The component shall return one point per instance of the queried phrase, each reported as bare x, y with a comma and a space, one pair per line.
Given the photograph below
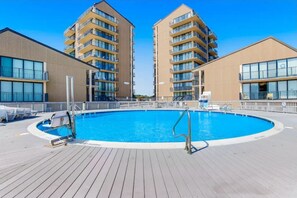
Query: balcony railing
91, 20
93, 43
23, 74
187, 26
182, 88
266, 74
269, 95
195, 34
93, 54
182, 79
213, 43
100, 13
94, 32
195, 45
213, 50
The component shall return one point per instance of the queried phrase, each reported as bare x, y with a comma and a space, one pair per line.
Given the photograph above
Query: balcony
93, 34
68, 49
193, 26
186, 79
182, 88
194, 57
186, 18
269, 95
212, 43
69, 40
92, 24
93, 12
268, 75
193, 37
194, 47
23, 74
69, 31
213, 51
212, 35
92, 45
93, 56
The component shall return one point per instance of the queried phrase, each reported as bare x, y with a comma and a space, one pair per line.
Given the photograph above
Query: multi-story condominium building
264, 70
104, 38
182, 42
31, 71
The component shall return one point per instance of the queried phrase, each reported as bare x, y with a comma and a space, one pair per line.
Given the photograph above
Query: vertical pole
90, 85
189, 139
72, 107
67, 93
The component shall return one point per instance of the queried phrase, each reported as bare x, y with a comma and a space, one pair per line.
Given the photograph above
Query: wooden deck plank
107, 185
161, 190
18, 180
74, 186
24, 167
139, 175
35, 180
197, 172
58, 177
101, 176
128, 186
149, 183
170, 183
176, 175
119, 179
184, 172
86, 185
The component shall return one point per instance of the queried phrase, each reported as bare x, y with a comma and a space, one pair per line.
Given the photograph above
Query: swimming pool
155, 126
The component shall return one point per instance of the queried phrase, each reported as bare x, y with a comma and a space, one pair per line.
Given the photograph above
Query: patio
262, 168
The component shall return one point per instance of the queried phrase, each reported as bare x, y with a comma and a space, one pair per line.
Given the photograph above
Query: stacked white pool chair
3, 115
12, 113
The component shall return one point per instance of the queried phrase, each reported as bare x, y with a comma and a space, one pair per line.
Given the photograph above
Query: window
292, 89
17, 68
272, 89
6, 67
38, 92
245, 91
282, 89
292, 66
281, 68
28, 70
28, 92
254, 71
18, 91
263, 70
254, 91
272, 69
38, 70
246, 72
6, 91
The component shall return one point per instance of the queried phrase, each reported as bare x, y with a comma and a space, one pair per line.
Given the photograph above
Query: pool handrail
188, 137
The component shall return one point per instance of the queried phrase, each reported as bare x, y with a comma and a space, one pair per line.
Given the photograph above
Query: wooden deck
263, 168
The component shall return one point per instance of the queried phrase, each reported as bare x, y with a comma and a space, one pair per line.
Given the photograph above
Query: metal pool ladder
188, 137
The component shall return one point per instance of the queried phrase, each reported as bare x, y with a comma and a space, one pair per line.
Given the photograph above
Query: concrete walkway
263, 168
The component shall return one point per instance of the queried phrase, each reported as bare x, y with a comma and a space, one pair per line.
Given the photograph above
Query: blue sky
237, 23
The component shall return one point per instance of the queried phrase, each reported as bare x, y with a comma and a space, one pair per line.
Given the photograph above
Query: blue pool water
156, 126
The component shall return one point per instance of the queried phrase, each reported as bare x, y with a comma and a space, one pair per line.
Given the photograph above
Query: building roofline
241, 49
115, 10
44, 45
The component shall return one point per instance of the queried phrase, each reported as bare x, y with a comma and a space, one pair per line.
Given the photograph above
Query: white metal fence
273, 106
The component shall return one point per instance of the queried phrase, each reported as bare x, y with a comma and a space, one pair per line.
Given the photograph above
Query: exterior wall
57, 65
222, 76
123, 81
125, 51
182, 42
162, 55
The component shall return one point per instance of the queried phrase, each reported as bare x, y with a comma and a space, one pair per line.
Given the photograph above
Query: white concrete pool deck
263, 168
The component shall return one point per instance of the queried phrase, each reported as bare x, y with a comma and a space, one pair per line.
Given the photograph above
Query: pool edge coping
278, 127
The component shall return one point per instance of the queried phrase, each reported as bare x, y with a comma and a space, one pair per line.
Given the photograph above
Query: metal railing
188, 137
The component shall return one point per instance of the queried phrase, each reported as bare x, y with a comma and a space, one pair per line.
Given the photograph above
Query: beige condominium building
182, 42
264, 70
31, 71
104, 38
